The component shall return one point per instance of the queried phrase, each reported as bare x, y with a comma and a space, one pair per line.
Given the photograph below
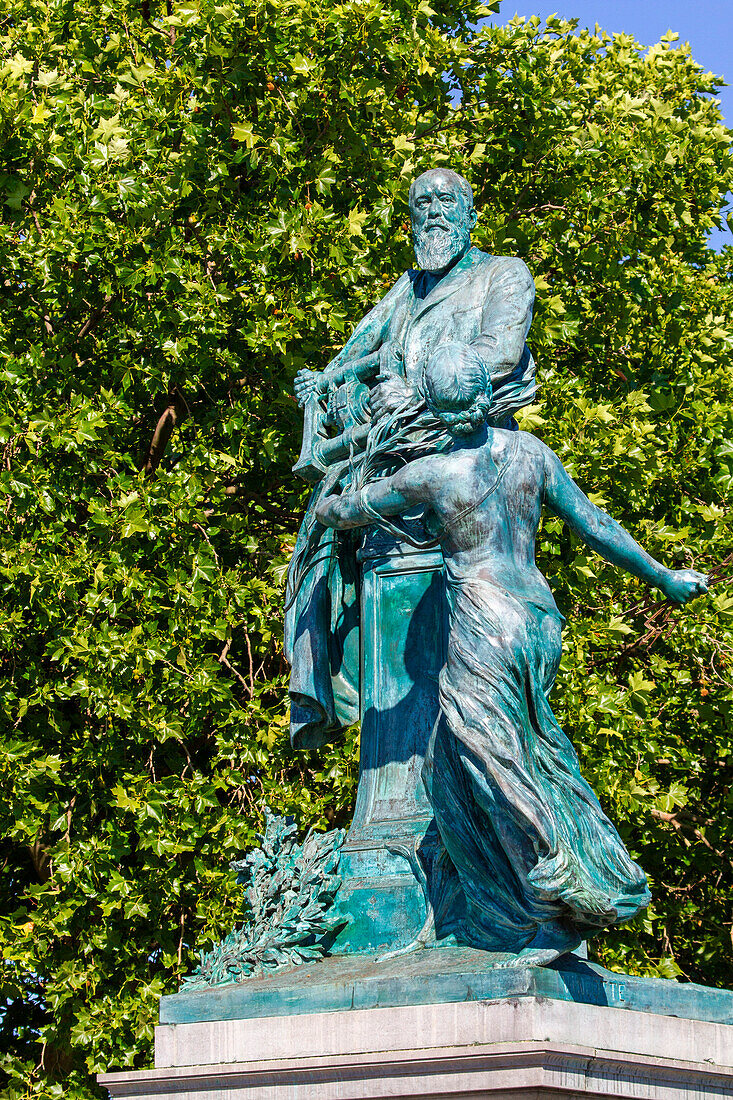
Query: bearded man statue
457, 294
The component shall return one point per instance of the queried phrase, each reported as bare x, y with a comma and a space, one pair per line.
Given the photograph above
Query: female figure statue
539, 864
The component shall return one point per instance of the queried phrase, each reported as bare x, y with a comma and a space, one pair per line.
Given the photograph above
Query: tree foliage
198, 200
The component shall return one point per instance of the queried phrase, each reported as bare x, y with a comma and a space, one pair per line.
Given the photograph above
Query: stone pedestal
440, 1025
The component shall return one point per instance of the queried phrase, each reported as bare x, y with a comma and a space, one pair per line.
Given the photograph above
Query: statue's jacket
485, 301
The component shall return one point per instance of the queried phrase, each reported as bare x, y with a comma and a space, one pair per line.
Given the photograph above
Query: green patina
451, 974
289, 891
415, 605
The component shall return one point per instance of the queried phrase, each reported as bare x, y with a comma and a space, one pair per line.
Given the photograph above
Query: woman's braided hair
458, 388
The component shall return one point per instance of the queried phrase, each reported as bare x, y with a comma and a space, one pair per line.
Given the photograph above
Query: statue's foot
530, 956
415, 945
425, 939
552, 940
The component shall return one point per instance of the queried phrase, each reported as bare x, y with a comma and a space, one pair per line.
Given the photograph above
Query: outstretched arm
388, 497
609, 539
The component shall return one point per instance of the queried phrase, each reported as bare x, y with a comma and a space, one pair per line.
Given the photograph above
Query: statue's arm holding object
609, 539
391, 496
410, 486
367, 356
366, 338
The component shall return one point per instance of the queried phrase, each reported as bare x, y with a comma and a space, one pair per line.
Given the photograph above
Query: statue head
458, 388
443, 215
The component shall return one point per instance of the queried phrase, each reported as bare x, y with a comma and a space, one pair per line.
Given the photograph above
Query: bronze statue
536, 864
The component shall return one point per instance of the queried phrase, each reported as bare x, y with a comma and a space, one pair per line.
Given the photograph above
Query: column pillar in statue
403, 640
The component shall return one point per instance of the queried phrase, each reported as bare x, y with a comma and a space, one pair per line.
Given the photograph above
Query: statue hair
460, 181
458, 388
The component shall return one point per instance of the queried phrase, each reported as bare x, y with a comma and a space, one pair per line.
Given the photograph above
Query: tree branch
94, 319
209, 263
671, 819
174, 415
251, 667
223, 661
41, 859
545, 208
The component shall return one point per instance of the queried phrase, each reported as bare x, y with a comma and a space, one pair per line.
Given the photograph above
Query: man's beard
437, 247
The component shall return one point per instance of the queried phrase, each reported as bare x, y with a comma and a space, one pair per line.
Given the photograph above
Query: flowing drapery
531, 846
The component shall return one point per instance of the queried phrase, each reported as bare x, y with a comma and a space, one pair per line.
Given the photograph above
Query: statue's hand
387, 396
332, 478
306, 382
681, 585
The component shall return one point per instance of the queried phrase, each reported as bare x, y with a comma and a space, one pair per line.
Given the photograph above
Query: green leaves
196, 205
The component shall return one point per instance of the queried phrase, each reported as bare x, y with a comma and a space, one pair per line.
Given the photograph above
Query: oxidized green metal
366, 624
414, 604
526, 862
481, 300
432, 977
289, 890
402, 605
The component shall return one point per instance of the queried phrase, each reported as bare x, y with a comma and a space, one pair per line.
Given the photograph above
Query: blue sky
706, 24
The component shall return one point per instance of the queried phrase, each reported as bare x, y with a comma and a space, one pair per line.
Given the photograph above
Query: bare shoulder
521, 443
536, 453
534, 446
530, 444
419, 472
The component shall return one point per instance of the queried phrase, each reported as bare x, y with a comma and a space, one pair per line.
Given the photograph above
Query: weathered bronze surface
360, 610
415, 606
525, 860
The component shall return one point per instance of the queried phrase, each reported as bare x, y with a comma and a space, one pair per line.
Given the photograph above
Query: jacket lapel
452, 282
402, 311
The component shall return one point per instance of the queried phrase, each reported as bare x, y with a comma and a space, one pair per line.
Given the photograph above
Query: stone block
522, 1047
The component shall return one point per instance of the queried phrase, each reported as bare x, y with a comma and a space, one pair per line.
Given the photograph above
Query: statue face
441, 221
